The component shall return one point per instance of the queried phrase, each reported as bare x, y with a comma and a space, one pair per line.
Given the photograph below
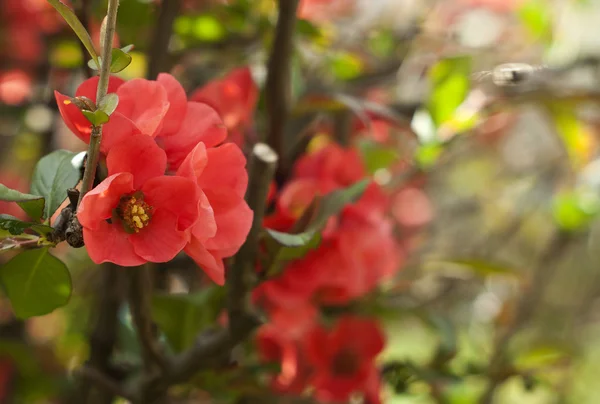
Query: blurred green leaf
15, 226
375, 156
208, 28
576, 136
541, 356
294, 246
450, 85
97, 117
194, 312
77, 27
382, 43
574, 211
119, 60
308, 29
65, 54
33, 205
53, 175
346, 66
128, 48
36, 283
428, 154
482, 267
109, 103
535, 16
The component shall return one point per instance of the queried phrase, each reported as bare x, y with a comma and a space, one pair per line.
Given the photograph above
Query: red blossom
138, 214
344, 358
234, 97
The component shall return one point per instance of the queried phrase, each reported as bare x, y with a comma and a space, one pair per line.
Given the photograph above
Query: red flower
138, 214
221, 176
344, 357
234, 97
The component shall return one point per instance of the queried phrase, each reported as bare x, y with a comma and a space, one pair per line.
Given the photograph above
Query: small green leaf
294, 246
375, 156
33, 205
428, 154
536, 17
53, 175
93, 65
574, 211
208, 28
335, 201
77, 27
127, 48
15, 226
109, 103
450, 82
36, 283
97, 117
576, 136
346, 66
308, 29
194, 312
119, 60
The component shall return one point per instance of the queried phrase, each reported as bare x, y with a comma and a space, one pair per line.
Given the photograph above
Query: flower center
135, 214
345, 363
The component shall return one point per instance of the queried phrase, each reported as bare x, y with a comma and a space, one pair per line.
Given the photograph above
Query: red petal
178, 104
109, 243
233, 217
206, 226
73, 118
317, 347
367, 337
210, 263
116, 130
226, 168
200, 124
138, 155
89, 87
194, 163
97, 205
160, 241
177, 195
145, 103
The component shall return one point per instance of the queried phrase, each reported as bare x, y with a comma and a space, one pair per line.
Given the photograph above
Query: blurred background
493, 170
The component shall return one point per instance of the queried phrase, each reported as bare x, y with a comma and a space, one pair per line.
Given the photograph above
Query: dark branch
159, 46
103, 382
278, 84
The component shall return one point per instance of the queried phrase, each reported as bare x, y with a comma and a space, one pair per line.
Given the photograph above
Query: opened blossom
137, 214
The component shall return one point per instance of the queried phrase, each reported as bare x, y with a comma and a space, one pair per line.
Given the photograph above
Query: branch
278, 85
140, 293
544, 269
103, 382
158, 52
93, 153
262, 169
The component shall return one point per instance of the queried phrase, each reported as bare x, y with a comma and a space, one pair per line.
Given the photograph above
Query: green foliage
97, 117
428, 154
535, 16
375, 156
35, 282
120, 59
53, 175
482, 267
109, 103
450, 86
195, 311
574, 211
77, 27
208, 28
33, 205
15, 226
346, 66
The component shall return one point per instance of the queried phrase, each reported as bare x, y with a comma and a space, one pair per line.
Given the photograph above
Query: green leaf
193, 312
535, 16
36, 283
308, 29
335, 201
77, 27
97, 117
15, 226
576, 136
294, 246
127, 48
92, 64
428, 154
574, 211
208, 28
482, 267
119, 60
53, 175
375, 156
109, 103
450, 86
346, 66
33, 205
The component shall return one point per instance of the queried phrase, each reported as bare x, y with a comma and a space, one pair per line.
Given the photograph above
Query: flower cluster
172, 185
356, 254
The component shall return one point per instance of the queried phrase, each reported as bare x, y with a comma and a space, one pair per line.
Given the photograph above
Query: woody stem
93, 153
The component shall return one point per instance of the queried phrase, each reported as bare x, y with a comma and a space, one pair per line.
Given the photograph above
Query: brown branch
544, 269
140, 294
103, 382
158, 51
278, 84
263, 164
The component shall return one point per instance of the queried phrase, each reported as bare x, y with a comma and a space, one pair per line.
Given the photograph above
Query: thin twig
278, 84
529, 300
102, 382
140, 293
158, 52
93, 153
263, 164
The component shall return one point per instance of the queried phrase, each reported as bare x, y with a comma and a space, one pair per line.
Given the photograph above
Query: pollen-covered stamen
135, 214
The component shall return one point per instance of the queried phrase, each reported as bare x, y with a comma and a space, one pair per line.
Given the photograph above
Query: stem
262, 169
93, 153
278, 85
158, 52
525, 308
